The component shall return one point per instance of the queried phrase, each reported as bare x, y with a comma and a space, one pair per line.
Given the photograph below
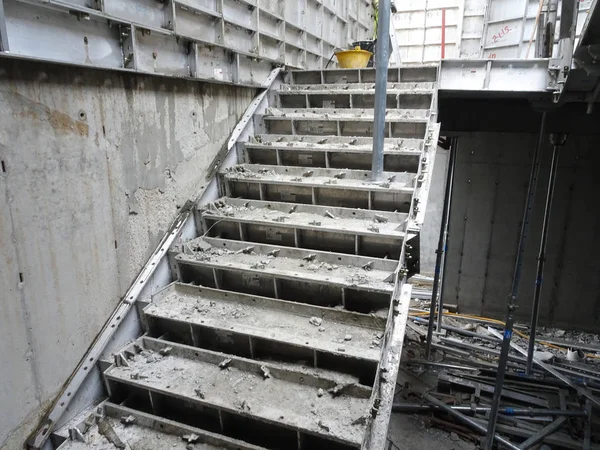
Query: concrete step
326, 279
359, 95
427, 74
264, 328
138, 430
400, 155
343, 230
407, 123
261, 403
332, 187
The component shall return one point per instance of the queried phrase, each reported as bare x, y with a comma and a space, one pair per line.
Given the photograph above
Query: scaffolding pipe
440, 258
514, 292
557, 141
382, 52
468, 421
508, 411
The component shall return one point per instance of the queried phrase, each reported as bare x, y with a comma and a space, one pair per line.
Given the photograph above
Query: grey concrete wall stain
97, 165
490, 186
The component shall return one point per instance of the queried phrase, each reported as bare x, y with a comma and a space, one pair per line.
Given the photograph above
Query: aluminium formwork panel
112, 34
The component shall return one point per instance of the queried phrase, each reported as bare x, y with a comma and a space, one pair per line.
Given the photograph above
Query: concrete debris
320, 393
190, 438
293, 209
323, 426
128, 420
280, 219
274, 253
380, 219
362, 420
106, 430
328, 182
340, 176
297, 179
315, 223
373, 228
337, 390
368, 266
454, 437
225, 363
199, 392
321, 329
165, 351
328, 214
266, 373
137, 376
246, 251
308, 173
316, 321
348, 337
310, 257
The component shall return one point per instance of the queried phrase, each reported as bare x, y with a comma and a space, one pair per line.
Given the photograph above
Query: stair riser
323, 100
300, 290
377, 246
408, 74
330, 159
344, 128
343, 197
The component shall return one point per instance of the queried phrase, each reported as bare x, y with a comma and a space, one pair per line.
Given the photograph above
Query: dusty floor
411, 432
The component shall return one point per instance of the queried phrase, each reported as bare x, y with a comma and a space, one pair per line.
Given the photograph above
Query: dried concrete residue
326, 220
132, 436
282, 324
248, 393
363, 277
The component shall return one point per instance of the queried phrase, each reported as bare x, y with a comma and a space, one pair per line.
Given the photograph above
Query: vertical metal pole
557, 141
443, 33
381, 66
441, 250
3, 33
514, 291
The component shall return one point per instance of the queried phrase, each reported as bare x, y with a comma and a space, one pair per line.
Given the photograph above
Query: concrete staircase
283, 324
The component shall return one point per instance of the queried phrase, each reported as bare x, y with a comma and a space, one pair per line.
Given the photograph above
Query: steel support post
512, 299
557, 140
440, 259
381, 71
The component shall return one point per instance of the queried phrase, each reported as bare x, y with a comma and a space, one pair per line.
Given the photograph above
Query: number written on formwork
500, 34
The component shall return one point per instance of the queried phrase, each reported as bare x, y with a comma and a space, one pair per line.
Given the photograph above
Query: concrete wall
94, 166
492, 173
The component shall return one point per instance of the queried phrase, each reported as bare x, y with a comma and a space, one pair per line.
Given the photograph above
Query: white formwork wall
487, 29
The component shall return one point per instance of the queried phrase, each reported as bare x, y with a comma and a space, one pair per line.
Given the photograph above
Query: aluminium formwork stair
282, 326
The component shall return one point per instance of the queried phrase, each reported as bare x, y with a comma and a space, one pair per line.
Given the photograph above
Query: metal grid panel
184, 38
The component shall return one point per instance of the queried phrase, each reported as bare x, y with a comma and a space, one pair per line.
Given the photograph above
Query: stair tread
290, 400
357, 115
330, 178
325, 267
272, 319
333, 143
277, 214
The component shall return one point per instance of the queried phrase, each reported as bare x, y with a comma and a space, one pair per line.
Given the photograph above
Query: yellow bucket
353, 59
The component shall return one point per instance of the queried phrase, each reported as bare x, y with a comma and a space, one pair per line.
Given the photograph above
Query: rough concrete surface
410, 432
94, 167
244, 392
